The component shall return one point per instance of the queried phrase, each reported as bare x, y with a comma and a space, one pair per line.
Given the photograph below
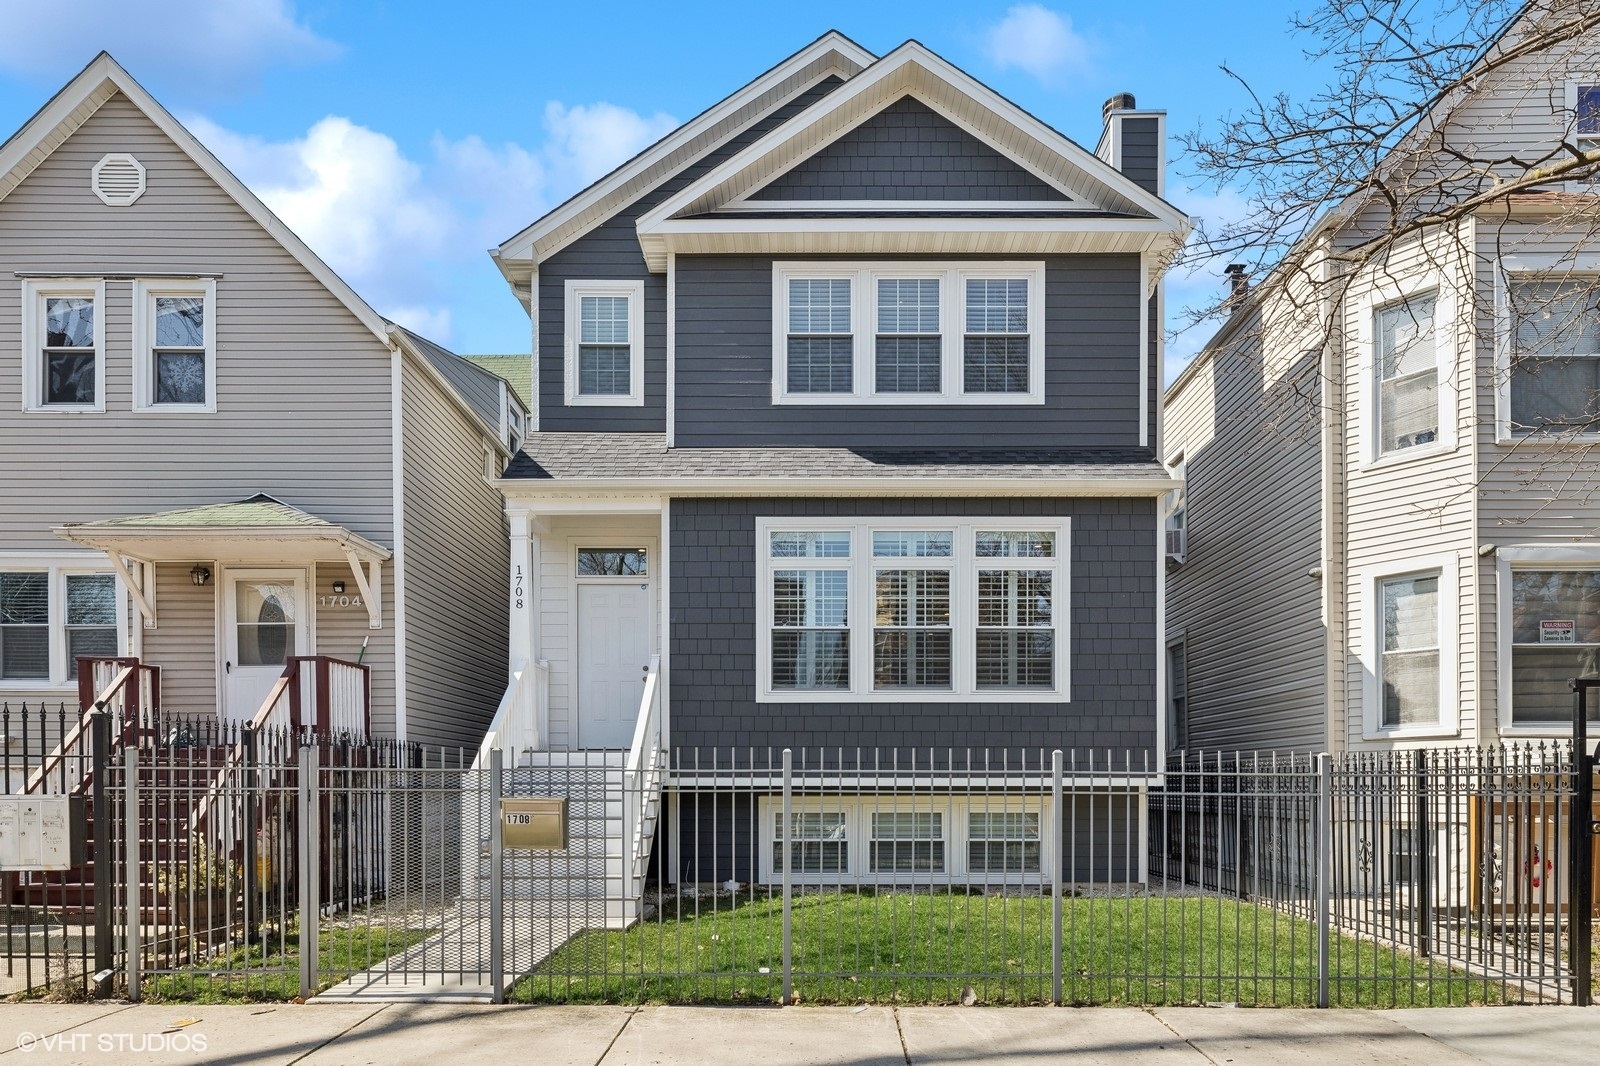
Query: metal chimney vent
118, 179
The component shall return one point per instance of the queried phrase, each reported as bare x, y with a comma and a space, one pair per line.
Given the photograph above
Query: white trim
1528, 557
34, 293
144, 368
1144, 351
1556, 266
742, 203
1381, 294
954, 809
1163, 641
398, 557
576, 291
963, 565
58, 566
535, 391
952, 278
120, 199
1571, 92
1371, 648
664, 605
522, 245
672, 349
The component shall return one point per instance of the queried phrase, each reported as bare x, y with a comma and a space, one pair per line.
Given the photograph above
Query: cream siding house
1393, 539
216, 454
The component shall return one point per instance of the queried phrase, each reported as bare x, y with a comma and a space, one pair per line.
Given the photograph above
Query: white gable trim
832, 54
87, 93
912, 69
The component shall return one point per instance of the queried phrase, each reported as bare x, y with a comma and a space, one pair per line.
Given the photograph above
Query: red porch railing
328, 696
126, 688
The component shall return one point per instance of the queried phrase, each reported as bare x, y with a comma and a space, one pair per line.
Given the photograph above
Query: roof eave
989, 485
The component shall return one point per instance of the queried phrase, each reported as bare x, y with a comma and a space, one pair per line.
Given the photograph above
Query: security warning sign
1557, 631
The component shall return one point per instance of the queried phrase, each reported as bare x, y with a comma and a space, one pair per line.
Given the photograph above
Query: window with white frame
984, 838
908, 333
605, 343
52, 615
1586, 115
881, 609
63, 345
175, 346
1409, 659
1555, 354
1555, 636
1407, 362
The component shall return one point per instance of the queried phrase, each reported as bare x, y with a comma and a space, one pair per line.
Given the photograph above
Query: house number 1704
338, 601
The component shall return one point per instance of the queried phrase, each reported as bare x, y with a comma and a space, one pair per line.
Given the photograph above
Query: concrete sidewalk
433, 1035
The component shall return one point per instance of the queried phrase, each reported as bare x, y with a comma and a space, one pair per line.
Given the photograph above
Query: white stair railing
641, 784
521, 721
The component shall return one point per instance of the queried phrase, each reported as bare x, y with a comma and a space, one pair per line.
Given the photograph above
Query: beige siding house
216, 455
1392, 539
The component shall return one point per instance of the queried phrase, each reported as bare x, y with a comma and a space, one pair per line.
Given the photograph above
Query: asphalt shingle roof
258, 512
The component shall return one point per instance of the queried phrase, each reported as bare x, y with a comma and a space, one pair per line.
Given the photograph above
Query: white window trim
858, 810
1449, 724
59, 567
1382, 294
144, 339
1510, 557
864, 277
1571, 101
34, 291
964, 566
1506, 269
634, 291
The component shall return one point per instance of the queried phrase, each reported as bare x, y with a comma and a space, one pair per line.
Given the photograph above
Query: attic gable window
936, 333
604, 361
63, 345
175, 346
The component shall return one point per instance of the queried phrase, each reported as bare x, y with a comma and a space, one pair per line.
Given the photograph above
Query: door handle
227, 667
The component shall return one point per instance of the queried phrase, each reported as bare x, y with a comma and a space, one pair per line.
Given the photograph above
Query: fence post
788, 884
1324, 870
100, 724
1058, 822
1424, 849
310, 863
253, 910
497, 888
132, 842
1580, 924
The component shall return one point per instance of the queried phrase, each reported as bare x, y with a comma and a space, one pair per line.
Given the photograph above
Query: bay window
1555, 354
946, 609
1409, 662
1555, 636
1408, 374
901, 332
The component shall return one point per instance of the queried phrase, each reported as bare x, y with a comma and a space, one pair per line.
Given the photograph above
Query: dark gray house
846, 436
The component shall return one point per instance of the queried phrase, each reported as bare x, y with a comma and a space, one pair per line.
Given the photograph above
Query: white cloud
1035, 39
219, 46
400, 230
1194, 292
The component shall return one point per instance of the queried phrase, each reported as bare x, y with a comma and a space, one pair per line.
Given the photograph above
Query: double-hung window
886, 608
175, 346
1409, 659
604, 343
50, 615
1586, 115
1555, 636
898, 333
1407, 361
1555, 356
63, 345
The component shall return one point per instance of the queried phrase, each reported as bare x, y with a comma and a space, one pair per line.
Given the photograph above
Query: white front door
264, 616
613, 654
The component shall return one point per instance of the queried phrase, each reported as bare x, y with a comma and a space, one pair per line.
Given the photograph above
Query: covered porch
255, 608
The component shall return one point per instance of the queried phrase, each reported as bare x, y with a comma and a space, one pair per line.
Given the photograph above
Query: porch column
529, 728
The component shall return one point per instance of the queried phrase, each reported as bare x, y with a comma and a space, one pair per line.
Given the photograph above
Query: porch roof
258, 529
643, 461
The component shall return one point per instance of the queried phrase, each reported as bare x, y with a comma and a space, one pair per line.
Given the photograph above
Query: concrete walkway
426, 1035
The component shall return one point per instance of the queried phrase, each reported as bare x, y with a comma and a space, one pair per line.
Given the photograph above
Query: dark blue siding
1111, 626
724, 369
1141, 154
611, 251
908, 151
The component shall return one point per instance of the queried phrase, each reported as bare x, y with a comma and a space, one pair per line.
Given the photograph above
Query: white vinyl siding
901, 608
605, 343
175, 346
908, 333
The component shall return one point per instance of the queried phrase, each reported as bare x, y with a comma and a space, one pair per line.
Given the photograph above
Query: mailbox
534, 822
41, 832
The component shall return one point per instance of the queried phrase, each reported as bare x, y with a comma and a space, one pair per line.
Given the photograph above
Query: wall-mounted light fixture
200, 575
338, 588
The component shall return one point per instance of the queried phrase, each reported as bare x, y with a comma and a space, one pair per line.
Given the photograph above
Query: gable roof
1095, 187
516, 369
80, 98
831, 54
264, 520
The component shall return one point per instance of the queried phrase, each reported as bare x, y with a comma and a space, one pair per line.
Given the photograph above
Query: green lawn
269, 970
900, 947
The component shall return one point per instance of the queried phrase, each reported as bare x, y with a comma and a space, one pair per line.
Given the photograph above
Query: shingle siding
908, 151
1111, 627
611, 252
724, 368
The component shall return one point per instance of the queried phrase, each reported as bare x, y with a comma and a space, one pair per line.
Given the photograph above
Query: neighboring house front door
265, 621
614, 620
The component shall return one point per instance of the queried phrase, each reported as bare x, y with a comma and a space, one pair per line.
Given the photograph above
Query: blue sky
402, 138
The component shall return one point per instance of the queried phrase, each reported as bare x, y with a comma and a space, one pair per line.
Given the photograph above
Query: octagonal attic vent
118, 179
